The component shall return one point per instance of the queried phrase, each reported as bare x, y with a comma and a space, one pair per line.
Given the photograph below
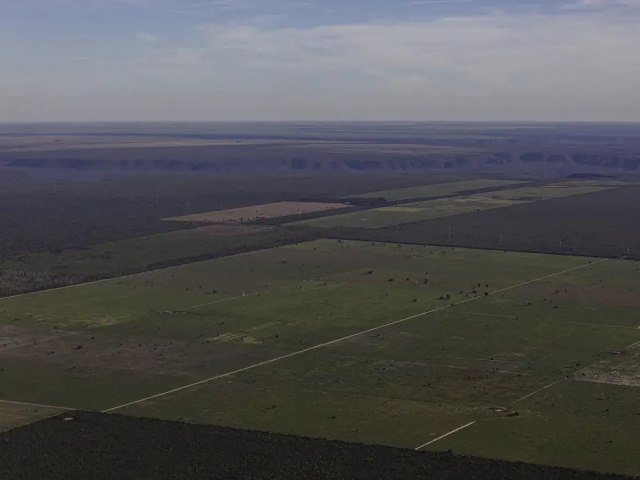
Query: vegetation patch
379, 218
438, 190
596, 224
259, 212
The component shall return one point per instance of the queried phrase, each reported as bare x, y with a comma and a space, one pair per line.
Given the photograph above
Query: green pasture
466, 335
573, 424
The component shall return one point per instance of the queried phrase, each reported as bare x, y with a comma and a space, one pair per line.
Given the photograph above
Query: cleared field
410, 213
597, 224
388, 344
570, 420
432, 209
258, 212
438, 189
46, 270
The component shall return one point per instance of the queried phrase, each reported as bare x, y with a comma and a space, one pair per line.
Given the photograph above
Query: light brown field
256, 212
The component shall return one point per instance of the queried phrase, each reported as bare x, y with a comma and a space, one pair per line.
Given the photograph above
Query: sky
244, 60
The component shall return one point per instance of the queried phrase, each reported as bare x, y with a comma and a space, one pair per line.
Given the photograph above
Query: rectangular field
40, 271
441, 208
378, 343
258, 212
439, 189
596, 224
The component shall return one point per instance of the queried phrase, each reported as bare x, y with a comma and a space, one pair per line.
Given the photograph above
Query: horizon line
397, 121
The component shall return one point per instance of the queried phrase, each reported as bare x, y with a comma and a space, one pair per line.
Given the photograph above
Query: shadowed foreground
82, 445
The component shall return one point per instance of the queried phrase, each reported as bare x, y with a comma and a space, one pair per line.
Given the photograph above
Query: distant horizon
240, 122
558, 61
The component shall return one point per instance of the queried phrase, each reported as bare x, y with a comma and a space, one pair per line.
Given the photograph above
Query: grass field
432, 209
594, 422
378, 343
438, 189
257, 212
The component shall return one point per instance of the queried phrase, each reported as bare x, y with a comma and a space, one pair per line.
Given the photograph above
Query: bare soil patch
621, 368
112, 352
15, 337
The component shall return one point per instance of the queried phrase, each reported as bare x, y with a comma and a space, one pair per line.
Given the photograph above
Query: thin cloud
602, 4
538, 64
519, 64
147, 37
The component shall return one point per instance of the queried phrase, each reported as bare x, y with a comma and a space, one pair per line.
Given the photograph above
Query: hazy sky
319, 59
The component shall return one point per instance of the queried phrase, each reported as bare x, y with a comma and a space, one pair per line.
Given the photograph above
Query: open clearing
259, 212
437, 190
432, 209
376, 343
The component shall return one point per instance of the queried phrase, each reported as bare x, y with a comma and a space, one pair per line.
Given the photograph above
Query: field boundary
131, 275
328, 236
30, 404
541, 389
633, 345
345, 338
446, 435
345, 237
